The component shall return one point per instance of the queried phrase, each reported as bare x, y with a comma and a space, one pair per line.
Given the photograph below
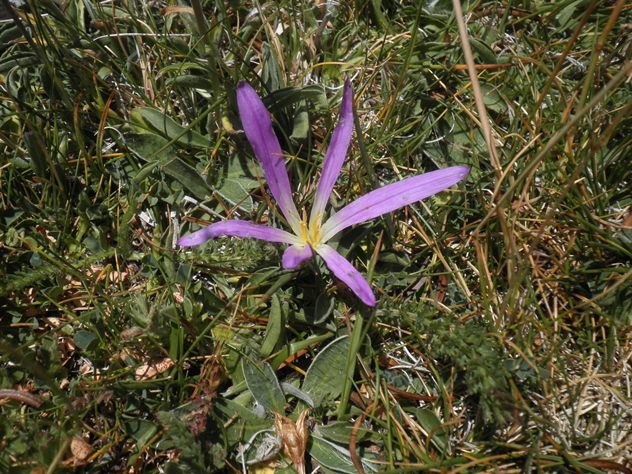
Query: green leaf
567, 14
84, 339
274, 328
155, 150
493, 100
485, 53
340, 432
235, 191
191, 81
334, 457
297, 346
244, 423
170, 128
264, 386
324, 308
301, 122
271, 71
238, 179
288, 96
230, 408
37, 151
291, 390
141, 430
324, 378
432, 425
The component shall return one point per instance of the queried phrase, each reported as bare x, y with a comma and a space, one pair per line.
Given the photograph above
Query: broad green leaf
234, 191
429, 421
324, 307
244, 422
170, 128
567, 14
493, 100
301, 122
263, 445
264, 386
237, 180
141, 430
335, 457
325, 377
155, 150
274, 328
84, 339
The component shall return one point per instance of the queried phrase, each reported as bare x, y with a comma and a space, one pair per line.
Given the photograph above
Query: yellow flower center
310, 234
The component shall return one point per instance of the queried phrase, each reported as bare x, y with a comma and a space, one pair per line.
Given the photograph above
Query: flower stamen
310, 233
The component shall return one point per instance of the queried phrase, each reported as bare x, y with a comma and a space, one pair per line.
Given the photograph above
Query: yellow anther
314, 234
304, 231
310, 233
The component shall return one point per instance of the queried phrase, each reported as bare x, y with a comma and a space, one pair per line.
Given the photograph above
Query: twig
357, 462
19, 396
476, 87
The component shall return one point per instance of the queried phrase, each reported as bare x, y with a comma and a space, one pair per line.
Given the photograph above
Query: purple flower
309, 236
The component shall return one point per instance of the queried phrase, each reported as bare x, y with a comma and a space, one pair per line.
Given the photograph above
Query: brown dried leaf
294, 437
149, 371
172, 10
131, 333
80, 449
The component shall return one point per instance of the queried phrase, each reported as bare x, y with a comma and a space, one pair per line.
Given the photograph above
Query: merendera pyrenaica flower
309, 236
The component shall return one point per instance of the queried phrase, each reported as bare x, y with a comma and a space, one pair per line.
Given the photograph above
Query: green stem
358, 333
354, 348
364, 155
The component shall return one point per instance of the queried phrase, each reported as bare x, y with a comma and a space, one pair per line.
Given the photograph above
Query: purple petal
237, 228
257, 124
335, 156
296, 255
345, 272
392, 197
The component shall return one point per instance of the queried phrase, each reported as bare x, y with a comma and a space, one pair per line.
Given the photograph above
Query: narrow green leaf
340, 432
297, 346
485, 53
274, 329
285, 97
39, 154
191, 81
171, 129
290, 389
